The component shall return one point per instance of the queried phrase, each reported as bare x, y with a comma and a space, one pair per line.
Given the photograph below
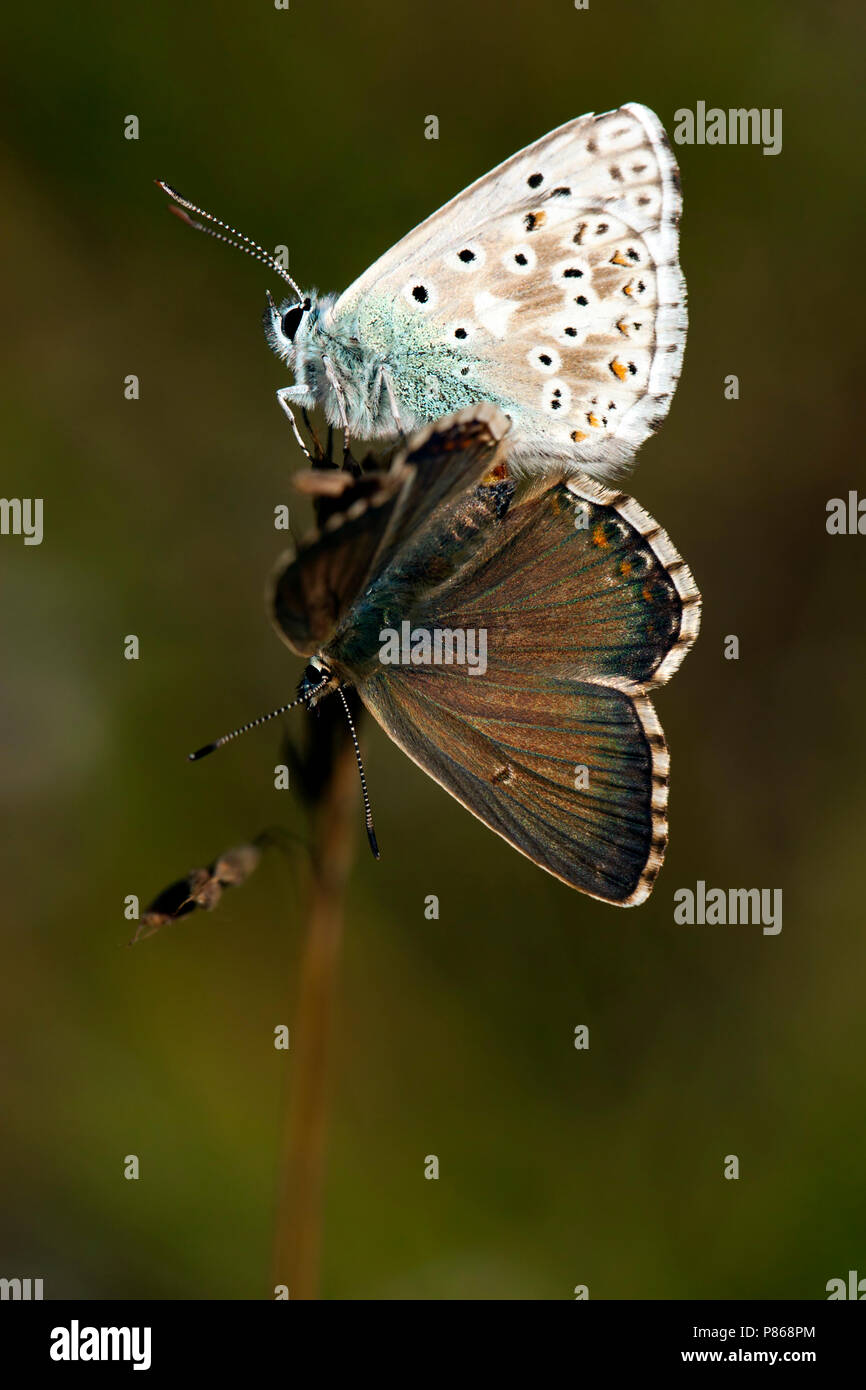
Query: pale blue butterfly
551, 288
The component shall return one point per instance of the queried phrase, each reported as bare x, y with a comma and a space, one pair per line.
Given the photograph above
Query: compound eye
290, 321
313, 675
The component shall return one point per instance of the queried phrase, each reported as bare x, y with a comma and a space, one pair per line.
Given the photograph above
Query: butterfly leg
311, 431
384, 379
341, 402
284, 395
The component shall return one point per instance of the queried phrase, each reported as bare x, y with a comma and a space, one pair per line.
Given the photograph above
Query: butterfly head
317, 680
287, 324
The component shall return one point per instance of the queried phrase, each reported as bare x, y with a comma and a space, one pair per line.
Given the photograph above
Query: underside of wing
551, 287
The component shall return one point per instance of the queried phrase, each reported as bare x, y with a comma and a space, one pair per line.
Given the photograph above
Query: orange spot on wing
593, 420
578, 435
618, 259
494, 475
618, 369
625, 568
626, 289
599, 538
622, 328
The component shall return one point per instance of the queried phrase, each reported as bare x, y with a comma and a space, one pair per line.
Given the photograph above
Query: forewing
553, 743
567, 580
550, 287
312, 590
575, 581
447, 459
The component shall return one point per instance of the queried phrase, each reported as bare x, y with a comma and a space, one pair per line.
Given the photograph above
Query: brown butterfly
585, 607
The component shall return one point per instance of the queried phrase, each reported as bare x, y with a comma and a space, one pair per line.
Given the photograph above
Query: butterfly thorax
331, 365
377, 368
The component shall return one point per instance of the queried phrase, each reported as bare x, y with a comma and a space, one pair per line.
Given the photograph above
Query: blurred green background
454, 1037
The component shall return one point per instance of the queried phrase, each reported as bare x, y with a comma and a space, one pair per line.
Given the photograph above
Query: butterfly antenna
368, 813
234, 237
254, 723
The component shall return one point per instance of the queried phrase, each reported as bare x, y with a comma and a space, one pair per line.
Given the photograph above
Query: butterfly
585, 607
551, 288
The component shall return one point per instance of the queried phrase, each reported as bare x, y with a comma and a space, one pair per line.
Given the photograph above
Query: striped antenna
368, 813
234, 237
254, 723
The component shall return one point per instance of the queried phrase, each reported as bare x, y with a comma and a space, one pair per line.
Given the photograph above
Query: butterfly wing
556, 745
513, 753
312, 589
573, 580
447, 458
550, 287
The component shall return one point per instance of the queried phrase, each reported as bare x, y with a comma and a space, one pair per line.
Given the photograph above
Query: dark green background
453, 1037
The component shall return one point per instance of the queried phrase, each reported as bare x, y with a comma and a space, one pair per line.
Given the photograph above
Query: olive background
453, 1037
